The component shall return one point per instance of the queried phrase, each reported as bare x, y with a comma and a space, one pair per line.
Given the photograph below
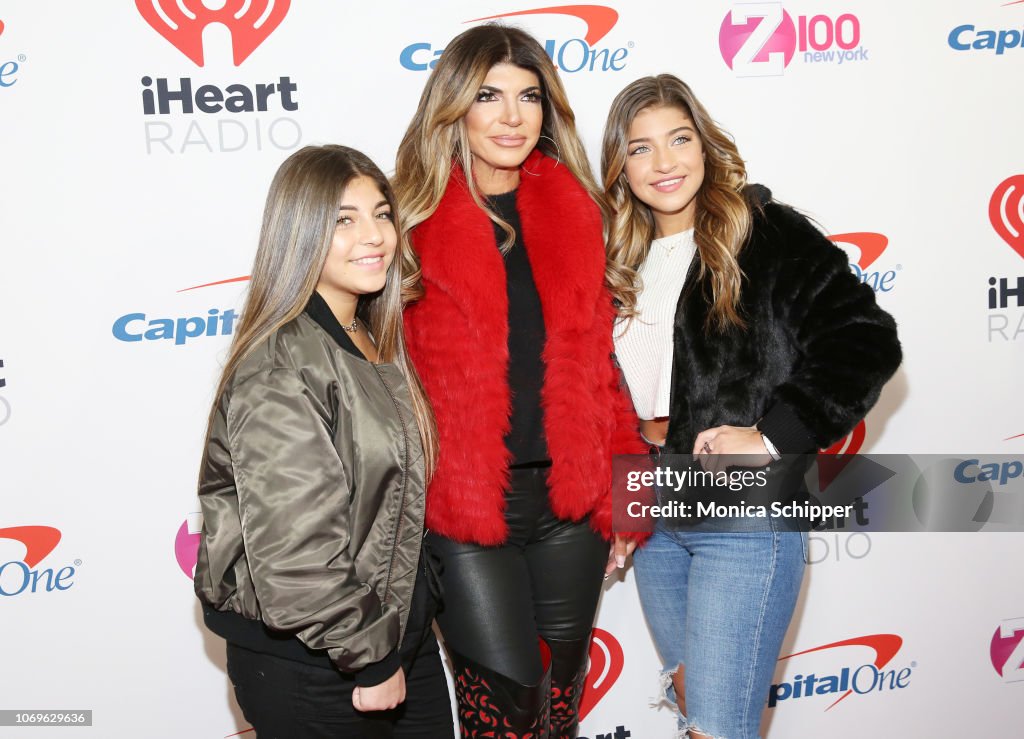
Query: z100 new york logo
1007, 650
24, 575
221, 123
575, 54
761, 39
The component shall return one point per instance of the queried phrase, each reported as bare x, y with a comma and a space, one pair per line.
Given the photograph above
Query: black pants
285, 699
544, 581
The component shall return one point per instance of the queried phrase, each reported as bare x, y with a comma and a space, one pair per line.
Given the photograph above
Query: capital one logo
966, 37
864, 248
182, 23
18, 576
606, 662
569, 56
1007, 650
9, 69
854, 677
761, 39
139, 327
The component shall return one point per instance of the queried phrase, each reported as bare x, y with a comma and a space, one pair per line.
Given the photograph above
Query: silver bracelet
772, 451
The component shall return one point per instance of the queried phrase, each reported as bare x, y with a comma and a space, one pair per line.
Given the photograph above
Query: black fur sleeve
847, 345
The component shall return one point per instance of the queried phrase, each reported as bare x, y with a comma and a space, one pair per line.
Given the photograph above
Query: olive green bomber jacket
312, 494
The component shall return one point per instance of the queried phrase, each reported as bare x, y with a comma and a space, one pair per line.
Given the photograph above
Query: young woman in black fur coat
742, 331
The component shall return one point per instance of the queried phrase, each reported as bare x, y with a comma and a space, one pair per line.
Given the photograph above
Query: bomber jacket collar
321, 313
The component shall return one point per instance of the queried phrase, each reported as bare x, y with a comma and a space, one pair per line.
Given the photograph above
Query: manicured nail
620, 560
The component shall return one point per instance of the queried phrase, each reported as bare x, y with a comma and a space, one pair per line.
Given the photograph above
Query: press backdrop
127, 214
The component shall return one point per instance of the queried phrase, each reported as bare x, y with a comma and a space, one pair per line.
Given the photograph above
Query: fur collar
460, 256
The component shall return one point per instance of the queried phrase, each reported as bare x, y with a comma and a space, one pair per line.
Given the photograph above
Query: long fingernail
620, 560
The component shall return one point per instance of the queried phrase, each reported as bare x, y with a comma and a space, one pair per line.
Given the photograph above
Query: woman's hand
718, 448
381, 697
621, 548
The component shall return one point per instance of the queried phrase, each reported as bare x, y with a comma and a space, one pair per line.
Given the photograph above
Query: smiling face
665, 166
503, 125
362, 248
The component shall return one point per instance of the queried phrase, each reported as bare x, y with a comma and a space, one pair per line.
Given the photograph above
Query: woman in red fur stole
511, 335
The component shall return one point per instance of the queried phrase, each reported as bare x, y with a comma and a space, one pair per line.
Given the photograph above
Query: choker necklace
353, 327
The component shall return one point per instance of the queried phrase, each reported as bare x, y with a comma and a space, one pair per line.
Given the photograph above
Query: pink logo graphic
39, 541
599, 18
606, 662
1006, 211
1, 28
1007, 650
182, 23
869, 245
757, 35
186, 549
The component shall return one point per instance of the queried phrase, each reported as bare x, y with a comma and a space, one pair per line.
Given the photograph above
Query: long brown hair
436, 139
723, 218
298, 227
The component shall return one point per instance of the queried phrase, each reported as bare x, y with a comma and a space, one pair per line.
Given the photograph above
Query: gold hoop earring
558, 155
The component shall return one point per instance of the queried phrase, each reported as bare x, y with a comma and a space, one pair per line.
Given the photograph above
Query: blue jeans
718, 600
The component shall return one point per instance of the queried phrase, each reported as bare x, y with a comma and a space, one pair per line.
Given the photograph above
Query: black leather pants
543, 582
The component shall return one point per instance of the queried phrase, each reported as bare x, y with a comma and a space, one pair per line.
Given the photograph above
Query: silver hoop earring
558, 155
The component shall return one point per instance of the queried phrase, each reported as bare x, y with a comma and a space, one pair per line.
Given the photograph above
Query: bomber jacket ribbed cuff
377, 672
786, 431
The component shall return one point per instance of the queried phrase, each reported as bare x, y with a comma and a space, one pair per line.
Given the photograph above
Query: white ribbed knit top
644, 345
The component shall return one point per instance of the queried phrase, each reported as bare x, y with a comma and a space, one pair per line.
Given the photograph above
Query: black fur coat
814, 356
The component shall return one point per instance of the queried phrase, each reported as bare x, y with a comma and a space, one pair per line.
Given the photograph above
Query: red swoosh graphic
885, 645
39, 541
246, 731
1015, 2
871, 245
219, 282
599, 18
1, 27
1018, 435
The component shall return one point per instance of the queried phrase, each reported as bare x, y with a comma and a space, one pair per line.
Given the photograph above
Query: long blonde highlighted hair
298, 227
436, 139
723, 215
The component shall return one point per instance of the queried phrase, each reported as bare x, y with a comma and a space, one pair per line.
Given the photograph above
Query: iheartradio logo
182, 23
1006, 211
606, 661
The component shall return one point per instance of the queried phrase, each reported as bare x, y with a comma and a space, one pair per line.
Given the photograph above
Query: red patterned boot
569, 660
494, 706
